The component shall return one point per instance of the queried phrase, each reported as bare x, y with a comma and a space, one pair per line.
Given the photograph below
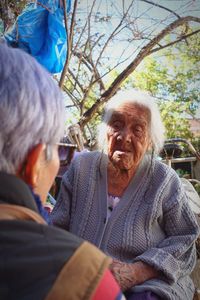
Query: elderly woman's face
128, 135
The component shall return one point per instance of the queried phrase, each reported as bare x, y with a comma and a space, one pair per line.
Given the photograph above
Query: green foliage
197, 188
151, 77
173, 116
173, 78
196, 143
182, 173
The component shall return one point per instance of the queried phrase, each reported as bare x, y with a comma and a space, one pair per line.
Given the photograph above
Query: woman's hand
130, 274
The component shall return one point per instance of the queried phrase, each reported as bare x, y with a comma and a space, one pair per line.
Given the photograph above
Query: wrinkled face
128, 135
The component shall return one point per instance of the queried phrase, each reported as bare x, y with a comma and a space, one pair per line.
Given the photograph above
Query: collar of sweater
13, 190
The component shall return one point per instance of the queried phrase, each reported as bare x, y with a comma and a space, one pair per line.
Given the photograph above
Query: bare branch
80, 36
76, 80
184, 37
98, 77
69, 39
113, 33
97, 41
161, 6
64, 71
90, 65
144, 52
73, 23
96, 73
72, 83
81, 59
84, 59
72, 97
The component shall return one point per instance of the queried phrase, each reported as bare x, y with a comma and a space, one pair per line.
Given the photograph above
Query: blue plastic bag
40, 31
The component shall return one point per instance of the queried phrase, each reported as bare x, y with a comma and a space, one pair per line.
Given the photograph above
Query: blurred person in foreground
132, 206
38, 261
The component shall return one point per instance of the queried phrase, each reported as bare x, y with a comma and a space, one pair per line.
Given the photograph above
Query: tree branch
80, 59
72, 97
84, 59
163, 7
73, 23
144, 52
113, 33
96, 74
76, 81
175, 42
69, 39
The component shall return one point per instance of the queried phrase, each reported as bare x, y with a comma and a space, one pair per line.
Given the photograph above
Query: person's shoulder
164, 175
87, 259
47, 243
55, 251
86, 157
86, 154
61, 236
168, 178
164, 168
51, 234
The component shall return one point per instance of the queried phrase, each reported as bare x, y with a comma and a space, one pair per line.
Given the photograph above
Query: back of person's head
142, 99
31, 107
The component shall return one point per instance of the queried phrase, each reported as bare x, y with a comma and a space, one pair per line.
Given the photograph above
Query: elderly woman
131, 205
38, 261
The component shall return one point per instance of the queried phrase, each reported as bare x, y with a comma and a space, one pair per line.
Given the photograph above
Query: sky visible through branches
141, 23
110, 35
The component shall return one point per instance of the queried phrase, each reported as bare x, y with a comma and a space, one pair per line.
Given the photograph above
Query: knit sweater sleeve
175, 255
60, 215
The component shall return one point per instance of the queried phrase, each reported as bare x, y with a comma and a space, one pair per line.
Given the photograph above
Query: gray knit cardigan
152, 222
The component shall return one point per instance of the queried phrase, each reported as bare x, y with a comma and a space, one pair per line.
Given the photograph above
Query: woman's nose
125, 135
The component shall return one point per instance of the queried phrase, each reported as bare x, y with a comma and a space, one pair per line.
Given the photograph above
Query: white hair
31, 107
135, 97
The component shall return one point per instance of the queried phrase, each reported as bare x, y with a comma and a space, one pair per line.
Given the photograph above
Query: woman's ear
31, 169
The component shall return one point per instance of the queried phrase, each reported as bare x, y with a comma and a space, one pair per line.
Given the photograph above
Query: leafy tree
173, 78
95, 74
110, 39
173, 116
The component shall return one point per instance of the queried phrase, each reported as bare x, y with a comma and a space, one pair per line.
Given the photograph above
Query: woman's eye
138, 130
117, 125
